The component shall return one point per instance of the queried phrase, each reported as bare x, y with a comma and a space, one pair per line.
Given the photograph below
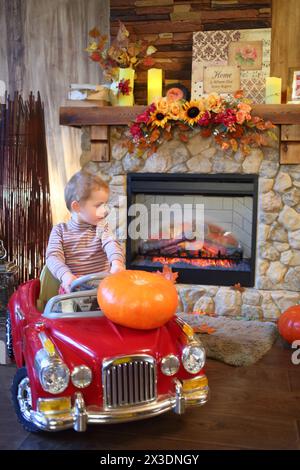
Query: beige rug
235, 342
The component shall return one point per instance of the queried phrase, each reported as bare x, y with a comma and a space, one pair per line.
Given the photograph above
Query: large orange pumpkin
289, 324
138, 299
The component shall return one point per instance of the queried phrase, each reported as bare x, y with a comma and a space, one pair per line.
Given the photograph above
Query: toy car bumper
80, 416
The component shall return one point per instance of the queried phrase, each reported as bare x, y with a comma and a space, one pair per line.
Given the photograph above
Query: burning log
218, 244
154, 247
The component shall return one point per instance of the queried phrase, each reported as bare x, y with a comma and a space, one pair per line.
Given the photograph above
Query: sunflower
158, 118
192, 111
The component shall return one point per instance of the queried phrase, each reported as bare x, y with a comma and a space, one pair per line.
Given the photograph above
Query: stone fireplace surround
277, 279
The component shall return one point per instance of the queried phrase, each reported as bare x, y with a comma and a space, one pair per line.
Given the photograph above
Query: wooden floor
256, 407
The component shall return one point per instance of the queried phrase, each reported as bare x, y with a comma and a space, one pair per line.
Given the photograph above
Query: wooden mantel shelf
287, 116
78, 116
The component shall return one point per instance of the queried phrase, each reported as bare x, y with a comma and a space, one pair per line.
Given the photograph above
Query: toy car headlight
170, 364
81, 376
54, 377
193, 358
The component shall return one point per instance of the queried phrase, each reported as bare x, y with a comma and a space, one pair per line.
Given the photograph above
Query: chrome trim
20, 315
167, 358
193, 344
78, 369
88, 277
56, 315
139, 371
24, 398
42, 360
75, 295
80, 415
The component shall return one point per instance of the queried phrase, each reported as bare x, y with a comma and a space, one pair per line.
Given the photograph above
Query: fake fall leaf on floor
204, 329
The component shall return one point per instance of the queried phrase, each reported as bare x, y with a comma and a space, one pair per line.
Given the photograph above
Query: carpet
235, 342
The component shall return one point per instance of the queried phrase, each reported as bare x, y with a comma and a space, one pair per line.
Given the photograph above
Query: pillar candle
273, 90
154, 84
126, 74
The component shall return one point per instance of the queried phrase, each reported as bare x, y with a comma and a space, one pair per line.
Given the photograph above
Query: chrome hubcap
24, 398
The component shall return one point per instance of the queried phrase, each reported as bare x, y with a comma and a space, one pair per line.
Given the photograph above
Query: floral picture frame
219, 48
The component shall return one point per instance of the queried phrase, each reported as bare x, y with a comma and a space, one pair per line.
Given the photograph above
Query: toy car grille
129, 383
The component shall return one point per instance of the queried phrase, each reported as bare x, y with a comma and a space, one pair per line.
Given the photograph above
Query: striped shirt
81, 249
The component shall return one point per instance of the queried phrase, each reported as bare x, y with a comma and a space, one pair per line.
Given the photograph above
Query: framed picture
296, 86
293, 88
247, 50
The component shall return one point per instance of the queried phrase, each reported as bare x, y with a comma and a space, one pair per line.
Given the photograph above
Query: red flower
144, 117
124, 87
228, 118
136, 131
205, 119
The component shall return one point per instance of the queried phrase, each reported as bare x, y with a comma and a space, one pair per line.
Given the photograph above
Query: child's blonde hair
81, 185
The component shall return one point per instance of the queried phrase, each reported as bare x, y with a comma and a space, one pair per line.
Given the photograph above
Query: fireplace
202, 226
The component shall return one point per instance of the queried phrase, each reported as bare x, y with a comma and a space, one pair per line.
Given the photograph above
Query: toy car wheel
9, 341
21, 397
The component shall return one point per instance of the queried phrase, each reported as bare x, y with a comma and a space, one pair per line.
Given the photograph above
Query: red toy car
77, 367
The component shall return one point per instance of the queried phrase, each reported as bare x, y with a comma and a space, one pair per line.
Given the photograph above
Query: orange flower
246, 108
240, 117
175, 110
162, 105
214, 103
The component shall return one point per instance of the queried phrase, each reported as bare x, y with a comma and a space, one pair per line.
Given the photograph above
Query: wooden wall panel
285, 50
169, 25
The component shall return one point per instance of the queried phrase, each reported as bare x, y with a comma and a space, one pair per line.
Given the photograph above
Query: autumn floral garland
229, 120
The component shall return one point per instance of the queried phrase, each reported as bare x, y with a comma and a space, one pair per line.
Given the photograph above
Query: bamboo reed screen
25, 217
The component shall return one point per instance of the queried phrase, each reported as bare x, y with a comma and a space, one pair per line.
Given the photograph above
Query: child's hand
67, 280
117, 266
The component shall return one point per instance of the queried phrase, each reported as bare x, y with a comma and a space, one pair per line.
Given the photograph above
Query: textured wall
41, 49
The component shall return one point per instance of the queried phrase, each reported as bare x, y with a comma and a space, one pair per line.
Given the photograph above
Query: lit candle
126, 74
154, 84
273, 90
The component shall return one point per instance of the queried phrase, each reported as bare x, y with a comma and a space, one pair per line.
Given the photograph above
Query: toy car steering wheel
81, 283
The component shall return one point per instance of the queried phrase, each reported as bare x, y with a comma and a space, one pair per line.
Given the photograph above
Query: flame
225, 263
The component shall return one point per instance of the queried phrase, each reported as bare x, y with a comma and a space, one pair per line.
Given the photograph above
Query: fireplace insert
202, 226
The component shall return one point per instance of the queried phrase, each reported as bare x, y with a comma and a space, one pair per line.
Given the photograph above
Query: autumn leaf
150, 50
168, 273
238, 94
204, 329
183, 127
167, 135
234, 144
238, 287
94, 33
154, 147
148, 61
183, 137
206, 132
154, 135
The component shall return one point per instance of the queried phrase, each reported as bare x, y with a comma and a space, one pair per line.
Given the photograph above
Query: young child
77, 248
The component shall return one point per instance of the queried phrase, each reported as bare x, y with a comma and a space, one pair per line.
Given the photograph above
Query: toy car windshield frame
51, 313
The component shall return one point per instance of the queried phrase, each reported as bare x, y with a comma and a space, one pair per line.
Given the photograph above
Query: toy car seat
48, 288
